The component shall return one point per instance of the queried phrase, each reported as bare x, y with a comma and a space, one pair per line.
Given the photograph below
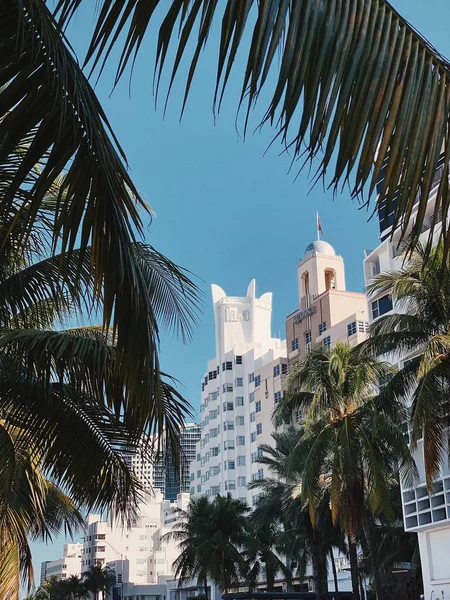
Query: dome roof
319, 247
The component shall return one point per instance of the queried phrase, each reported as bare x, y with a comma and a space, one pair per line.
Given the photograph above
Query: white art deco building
427, 514
239, 391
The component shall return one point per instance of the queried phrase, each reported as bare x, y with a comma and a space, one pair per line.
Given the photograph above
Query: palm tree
76, 587
302, 540
66, 389
419, 329
209, 536
352, 442
261, 556
62, 144
32, 507
98, 579
353, 82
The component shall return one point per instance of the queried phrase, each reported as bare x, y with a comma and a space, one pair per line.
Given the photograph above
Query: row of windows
257, 432
256, 455
228, 387
226, 366
276, 370
360, 326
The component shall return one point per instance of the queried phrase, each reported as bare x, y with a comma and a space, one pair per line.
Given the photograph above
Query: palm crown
418, 333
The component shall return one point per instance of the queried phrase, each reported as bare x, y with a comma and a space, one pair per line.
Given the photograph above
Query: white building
428, 515
137, 554
238, 395
62, 568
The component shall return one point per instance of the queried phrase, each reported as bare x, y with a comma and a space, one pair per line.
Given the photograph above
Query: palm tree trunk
205, 587
377, 581
335, 577
361, 589
353, 556
317, 566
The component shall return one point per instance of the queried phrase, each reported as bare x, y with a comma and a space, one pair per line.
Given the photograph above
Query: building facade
239, 392
424, 513
327, 312
138, 554
175, 478
62, 568
154, 466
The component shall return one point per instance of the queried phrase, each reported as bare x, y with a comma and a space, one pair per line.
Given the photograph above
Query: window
241, 461
260, 474
308, 337
230, 485
223, 366
215, 451
258, 406
238, 360
277, 397
294, 344
322, 327
375, 264
192, 476
327, 341
228, 426
284, 368
240, 440
227, 387
240, 421
363, 326
258, 428
199, 488
229, 365
229, 464
239, 382
257, 380
351, 328
215, 490
239, 401
241, 481
251, 378
199, 474
228, 445
276, 371
253, 436
252, 417
255, 499
215, 470
381, 306
228, 406
251, 396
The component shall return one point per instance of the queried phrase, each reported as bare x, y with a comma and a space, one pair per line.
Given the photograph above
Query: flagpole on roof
317, 225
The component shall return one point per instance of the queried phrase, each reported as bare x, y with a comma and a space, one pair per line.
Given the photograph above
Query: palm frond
50, 123
354, 82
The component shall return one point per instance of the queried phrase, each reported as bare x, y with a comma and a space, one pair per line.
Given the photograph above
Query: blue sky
225, 209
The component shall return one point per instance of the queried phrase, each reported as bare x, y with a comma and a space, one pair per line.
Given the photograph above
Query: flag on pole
319, 226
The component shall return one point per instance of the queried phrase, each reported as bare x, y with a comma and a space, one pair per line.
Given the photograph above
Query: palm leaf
355, 81
50, 117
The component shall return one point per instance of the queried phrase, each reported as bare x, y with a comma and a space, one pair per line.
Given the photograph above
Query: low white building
138, 554
62, 568
424, 513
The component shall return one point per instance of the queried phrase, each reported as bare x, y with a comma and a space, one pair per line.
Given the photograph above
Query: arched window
305, 278
330, 279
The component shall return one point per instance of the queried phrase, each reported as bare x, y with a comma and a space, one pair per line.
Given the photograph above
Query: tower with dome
326, 311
